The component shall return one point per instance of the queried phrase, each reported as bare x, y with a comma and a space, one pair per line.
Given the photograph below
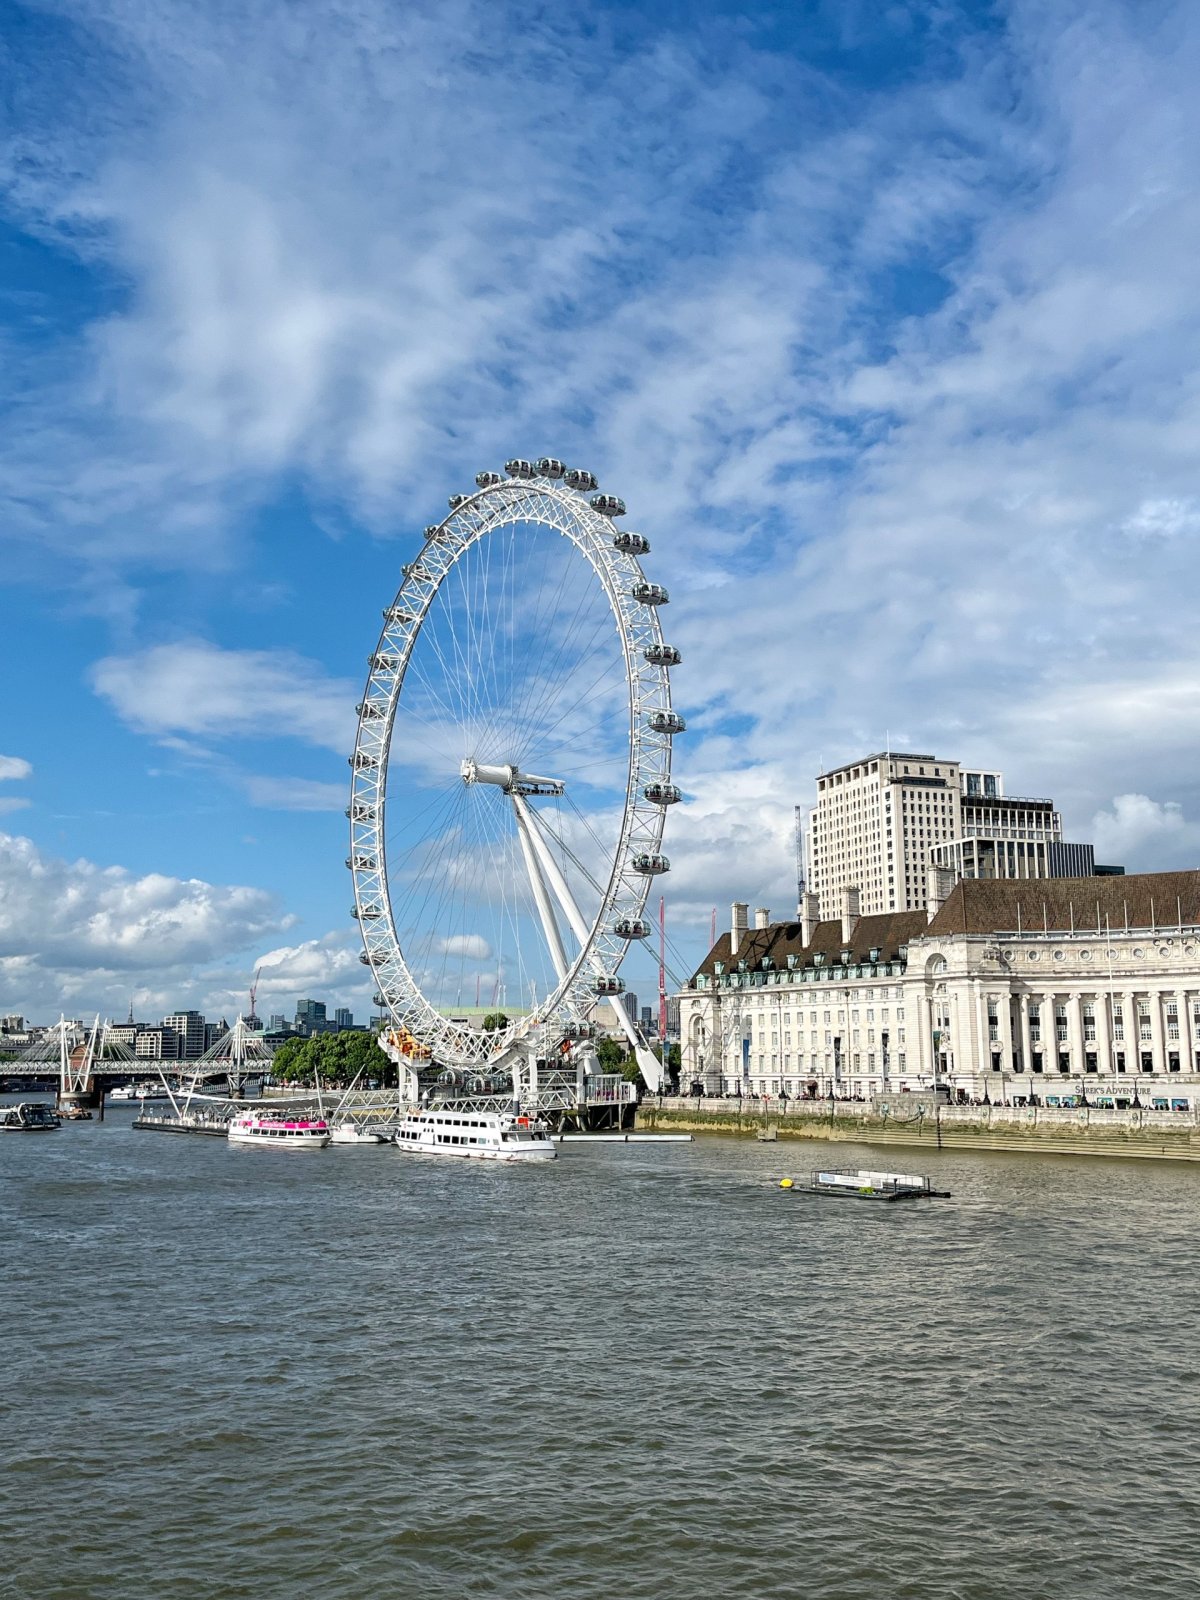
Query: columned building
1075, 990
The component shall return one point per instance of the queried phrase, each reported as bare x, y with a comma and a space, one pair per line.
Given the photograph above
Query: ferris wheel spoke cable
556, 693
542, 634
563, 636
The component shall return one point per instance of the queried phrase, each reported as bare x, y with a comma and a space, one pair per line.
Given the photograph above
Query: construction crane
251, 1018
799, 837
662, 976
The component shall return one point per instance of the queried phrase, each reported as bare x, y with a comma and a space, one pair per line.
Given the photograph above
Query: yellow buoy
785, 1183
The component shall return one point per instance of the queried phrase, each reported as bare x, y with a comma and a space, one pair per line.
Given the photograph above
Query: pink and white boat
282, 1130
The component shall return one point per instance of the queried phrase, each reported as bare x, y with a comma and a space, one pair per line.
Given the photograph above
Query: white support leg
648, 1062
545, 910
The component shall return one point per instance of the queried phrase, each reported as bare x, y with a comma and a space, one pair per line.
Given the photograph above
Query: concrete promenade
1147, 1135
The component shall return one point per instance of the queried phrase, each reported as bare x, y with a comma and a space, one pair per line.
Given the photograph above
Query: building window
1173, 1061
1120, 1061
1147, 1061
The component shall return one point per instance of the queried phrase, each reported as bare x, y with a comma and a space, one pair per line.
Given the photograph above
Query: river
637, 1371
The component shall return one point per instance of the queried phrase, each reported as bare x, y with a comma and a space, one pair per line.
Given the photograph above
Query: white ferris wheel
512, 771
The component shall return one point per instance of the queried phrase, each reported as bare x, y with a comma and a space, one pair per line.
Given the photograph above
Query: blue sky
881, 318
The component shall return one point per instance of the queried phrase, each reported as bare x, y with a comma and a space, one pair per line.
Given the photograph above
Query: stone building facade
1050, 989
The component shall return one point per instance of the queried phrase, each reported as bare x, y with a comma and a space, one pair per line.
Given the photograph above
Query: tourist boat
482, 1135
281, 1130
29, 1117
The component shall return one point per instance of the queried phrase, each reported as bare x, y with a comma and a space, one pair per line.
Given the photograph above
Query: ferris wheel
511, 772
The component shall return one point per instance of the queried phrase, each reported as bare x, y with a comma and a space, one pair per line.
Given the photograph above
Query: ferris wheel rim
541, 501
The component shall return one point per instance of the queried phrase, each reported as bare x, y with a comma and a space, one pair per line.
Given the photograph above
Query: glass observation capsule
609, 985
488, 480
663, 794
632, 544
650, 594
362, 762
360, 863
577, 478
662, 655
383, 663
397, 616
608, 505
520, 469
666, 722
457, 500
650, 863
631, 928
549, 467
360, 811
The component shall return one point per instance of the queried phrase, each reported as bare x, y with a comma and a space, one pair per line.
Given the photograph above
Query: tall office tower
310, 1016
189, 1030
874, 825
344, 1017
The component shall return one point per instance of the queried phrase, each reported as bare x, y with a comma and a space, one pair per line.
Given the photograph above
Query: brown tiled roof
885, 933
1006, 905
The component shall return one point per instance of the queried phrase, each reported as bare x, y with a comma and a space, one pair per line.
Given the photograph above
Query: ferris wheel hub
510, 778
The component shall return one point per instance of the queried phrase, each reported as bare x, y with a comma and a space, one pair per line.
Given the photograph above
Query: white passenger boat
281, 1130
481, 1135
32, 1116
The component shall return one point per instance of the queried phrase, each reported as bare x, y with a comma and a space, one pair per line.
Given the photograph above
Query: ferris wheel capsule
632, 544
517, 468
631, 928
650, 594
663, 794
666, 722
457, 500
398, 616
576, 478
549, 467
370, 711
662, 655
608, 505
608, 984
488, 480
651, 863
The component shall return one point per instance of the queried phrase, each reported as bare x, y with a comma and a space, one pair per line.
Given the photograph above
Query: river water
632, 1372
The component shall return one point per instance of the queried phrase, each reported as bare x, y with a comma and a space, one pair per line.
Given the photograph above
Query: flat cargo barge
217, 1127
859, 1183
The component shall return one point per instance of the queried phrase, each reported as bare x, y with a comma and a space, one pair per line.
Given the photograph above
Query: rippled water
636, 1372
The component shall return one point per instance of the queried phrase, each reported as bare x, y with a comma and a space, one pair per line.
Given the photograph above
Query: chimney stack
810, 915
939, 882
762, 917
737, 929
851, 904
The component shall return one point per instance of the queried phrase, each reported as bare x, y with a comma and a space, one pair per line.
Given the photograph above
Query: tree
611, 1055
494, 1021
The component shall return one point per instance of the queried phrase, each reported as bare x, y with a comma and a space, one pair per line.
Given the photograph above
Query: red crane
662, 976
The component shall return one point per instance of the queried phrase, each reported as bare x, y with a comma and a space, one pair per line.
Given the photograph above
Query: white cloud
195, 688
295, 794
77, 936
14, 767
1146, 833
471, 945
12, 803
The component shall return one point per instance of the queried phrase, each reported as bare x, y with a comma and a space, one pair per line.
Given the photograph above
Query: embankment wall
1147, 1135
